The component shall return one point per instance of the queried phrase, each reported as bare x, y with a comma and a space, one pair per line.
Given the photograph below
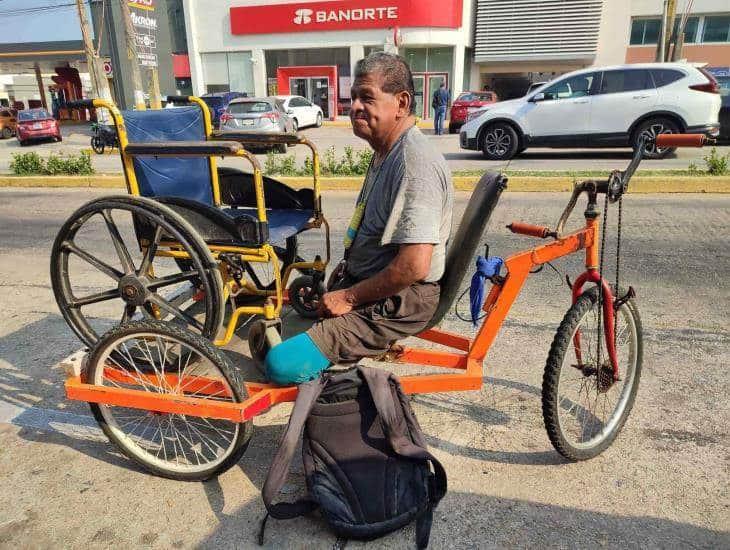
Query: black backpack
365, 458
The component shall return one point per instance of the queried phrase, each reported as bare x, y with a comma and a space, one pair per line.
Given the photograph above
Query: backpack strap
379, 382
279, 469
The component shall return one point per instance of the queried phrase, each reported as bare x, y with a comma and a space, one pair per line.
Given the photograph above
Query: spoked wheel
583, 406
97, 144
108, 267
499, 142
163, 359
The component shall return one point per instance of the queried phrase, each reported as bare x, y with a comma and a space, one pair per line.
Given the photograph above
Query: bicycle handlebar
80, 104
680, 140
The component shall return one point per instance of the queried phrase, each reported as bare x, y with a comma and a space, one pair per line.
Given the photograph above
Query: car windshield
35, 114
249, 107
473, 96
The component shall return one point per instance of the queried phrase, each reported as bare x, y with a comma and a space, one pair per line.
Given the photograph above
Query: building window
690, 28
228, 72
716, 29
645, 31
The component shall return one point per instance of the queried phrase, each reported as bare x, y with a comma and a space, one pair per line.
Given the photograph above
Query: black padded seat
182, 148
256, 138
463, 246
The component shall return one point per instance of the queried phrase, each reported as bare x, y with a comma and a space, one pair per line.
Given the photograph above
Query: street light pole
99, 83
139, 103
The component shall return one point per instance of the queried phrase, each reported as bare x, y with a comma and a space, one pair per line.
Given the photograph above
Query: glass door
320, 94
434, 81
419, 81
299, 86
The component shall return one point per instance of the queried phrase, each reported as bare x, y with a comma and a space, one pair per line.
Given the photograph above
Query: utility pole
154, 89
139, 103
99, 83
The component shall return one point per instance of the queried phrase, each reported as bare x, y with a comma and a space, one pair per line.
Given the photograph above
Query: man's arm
411, 264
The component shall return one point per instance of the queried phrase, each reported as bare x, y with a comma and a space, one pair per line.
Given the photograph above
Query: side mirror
289, 112
538, 97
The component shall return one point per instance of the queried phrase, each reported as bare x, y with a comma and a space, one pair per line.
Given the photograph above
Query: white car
599, 107
303, 111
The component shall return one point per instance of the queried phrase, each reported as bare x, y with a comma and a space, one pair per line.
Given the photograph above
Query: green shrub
350, 164
716, 164
29, 164
26, 164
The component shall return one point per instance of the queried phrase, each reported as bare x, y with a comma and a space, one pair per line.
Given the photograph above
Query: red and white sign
345, 15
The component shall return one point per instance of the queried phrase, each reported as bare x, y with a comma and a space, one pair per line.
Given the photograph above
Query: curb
639, 184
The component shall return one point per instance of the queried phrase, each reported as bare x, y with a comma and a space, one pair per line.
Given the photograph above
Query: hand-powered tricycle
172, 401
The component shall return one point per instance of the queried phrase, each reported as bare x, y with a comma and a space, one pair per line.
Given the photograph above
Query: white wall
655, 7
613, 36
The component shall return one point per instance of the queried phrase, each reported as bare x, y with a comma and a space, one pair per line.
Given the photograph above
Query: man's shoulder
420, 156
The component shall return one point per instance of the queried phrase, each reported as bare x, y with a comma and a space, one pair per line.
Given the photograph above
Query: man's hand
336, 303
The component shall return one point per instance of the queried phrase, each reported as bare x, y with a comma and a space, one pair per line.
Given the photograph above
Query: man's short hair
397, 76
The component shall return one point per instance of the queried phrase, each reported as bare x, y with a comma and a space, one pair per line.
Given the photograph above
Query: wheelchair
190, 236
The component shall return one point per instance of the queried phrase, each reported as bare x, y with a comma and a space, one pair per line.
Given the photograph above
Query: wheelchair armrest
183, 148
255, 138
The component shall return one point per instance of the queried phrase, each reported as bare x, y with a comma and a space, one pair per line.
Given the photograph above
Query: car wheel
22, 143
7, 133
319, 120
295, 124
59, 138
499, 142
453, 128
649, 130
280, 148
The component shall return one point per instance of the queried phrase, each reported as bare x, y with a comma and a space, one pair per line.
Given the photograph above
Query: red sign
345, 15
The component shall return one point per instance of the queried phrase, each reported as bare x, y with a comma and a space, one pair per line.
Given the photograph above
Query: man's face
375, 113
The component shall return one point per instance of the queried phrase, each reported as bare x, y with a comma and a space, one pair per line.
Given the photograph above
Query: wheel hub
133, 290
604, 378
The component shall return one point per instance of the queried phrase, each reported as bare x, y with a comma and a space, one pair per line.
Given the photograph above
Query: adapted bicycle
175, 404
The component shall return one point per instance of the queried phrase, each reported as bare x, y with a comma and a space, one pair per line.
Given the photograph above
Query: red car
36, 124
468, 101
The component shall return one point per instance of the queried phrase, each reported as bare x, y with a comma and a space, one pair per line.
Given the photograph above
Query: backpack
366, 463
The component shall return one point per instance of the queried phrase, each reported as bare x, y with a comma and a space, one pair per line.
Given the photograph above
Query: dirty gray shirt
409, 201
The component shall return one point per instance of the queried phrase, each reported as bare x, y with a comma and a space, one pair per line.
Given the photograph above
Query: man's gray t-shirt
409, 201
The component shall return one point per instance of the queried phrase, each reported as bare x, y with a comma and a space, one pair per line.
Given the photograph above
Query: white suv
599, 107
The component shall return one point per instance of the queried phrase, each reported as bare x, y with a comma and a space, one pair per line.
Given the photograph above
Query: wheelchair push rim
165, 360
133, 285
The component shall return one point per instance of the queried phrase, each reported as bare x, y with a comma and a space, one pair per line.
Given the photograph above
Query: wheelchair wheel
111, 263
97, 144
163, 359
304, 296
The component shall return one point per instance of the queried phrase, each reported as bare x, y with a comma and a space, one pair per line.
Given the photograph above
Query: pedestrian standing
440, 102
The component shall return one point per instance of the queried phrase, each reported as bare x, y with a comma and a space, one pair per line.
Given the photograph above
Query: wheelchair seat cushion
283, 223
186, 178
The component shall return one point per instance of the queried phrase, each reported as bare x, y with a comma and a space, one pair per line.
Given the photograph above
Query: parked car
258, 114
600, 107
35, 124
464, 104
8, 122
725, 118
302, 111
217, 103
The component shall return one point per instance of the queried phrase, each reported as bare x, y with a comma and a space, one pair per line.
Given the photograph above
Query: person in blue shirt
440, 102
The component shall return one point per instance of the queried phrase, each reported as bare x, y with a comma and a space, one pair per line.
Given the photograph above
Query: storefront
311, 48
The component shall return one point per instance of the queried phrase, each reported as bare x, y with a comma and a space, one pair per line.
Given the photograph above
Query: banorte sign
345, 15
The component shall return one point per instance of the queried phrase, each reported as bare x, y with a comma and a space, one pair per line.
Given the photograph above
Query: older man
387, 287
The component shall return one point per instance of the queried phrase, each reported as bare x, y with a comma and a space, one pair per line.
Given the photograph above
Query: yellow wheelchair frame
274, 299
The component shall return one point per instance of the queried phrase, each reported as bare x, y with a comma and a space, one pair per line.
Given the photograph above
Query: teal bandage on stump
295, 361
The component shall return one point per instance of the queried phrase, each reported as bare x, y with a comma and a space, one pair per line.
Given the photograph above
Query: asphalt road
663, 484
76, 137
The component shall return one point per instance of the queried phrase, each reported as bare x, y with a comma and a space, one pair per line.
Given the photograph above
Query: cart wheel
97, 144
7, 132
584, 408
262, 336
163, 359
304, 296
101, 276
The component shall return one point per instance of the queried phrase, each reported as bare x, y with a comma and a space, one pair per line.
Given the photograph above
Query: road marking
73, 425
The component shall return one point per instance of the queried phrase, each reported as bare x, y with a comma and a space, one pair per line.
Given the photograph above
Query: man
439, 103
387, 288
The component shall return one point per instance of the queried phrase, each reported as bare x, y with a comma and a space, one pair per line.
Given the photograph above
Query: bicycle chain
600, 282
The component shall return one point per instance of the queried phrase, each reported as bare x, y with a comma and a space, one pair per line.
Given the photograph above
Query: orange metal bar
450, 339
433, 358
592, 248
190, 384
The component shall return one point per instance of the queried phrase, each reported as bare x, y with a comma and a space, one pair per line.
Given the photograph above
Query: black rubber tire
7, 132
453, 128
562, 344
652, 127
507, 140
59, 139
318, 124
97, 145
295, 124
173, 224
22, 143
301, 294
206, 349
280, 148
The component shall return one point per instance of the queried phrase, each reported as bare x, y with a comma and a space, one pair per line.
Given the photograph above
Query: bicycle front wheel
584, 408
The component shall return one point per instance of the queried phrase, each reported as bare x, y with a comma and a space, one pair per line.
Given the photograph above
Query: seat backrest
463, 245
186, 178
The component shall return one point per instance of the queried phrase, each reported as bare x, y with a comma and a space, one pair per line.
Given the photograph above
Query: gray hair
397, 76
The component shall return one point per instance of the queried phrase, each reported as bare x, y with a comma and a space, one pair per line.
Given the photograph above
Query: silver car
260, 115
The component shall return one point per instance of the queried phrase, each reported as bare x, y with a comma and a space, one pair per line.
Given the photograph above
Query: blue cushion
187, 178
283, 223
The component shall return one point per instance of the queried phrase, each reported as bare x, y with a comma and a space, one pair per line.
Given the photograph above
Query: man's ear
404, 104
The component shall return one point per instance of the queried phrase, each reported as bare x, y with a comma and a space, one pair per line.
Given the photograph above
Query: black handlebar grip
80, 104
178, 99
